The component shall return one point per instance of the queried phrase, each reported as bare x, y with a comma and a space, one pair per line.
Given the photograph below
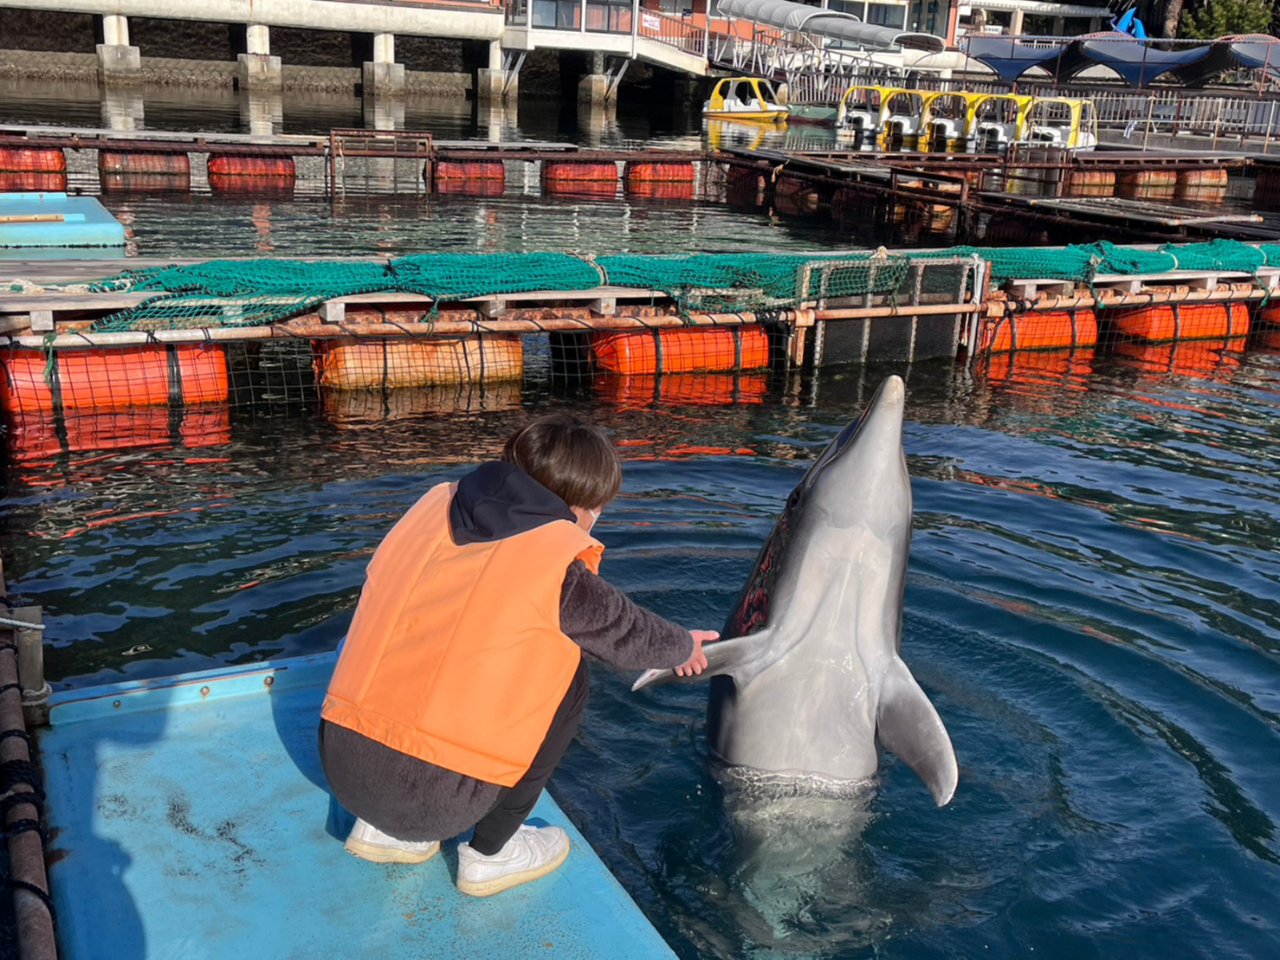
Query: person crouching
462, 679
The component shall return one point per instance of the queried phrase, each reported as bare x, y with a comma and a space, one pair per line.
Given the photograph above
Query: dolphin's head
861, 477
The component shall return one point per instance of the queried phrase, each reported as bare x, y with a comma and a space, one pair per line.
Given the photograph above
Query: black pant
514, 803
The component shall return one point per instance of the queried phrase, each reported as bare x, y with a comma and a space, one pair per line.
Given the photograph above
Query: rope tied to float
39, 894
20, 624
25, 825
14, 773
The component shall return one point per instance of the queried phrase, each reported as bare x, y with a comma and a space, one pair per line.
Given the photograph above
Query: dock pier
1143, 196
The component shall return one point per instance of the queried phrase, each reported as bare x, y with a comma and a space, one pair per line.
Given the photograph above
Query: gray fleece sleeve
603, 621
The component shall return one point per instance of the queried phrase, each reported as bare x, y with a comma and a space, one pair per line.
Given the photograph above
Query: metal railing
672, 31
1173, 113
620, 17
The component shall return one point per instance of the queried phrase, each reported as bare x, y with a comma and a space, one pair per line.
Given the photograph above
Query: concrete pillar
1015, 24
492, 83
259, 71
1059, 26
383, 77
122, 109
593, 89
118, 62
262, 112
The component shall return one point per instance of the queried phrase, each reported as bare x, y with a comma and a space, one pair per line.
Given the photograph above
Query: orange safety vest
455, 654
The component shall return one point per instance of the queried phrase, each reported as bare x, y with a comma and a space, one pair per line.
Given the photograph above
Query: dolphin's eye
794, 498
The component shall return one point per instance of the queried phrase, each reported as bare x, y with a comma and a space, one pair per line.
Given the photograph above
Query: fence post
1271, 123
1151, 106
1217, 124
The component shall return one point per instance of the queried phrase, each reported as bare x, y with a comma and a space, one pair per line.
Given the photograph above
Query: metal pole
706, 36
35, 690
1151, 106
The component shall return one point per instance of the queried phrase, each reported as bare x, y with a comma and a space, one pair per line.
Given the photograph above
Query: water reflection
122, 109
1093, 574
262, 113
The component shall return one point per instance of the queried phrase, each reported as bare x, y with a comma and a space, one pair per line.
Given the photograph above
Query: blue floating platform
76, 222
190, 819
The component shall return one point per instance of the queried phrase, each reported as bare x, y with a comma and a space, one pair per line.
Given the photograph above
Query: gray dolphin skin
807, 679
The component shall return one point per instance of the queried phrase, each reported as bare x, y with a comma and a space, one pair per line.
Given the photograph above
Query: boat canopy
1136, 62
1009, 58
1257, 51
829, 24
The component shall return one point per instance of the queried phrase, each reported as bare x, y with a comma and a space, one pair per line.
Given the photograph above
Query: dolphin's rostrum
808, 679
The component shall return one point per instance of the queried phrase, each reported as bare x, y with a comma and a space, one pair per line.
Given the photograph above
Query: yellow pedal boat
744, 98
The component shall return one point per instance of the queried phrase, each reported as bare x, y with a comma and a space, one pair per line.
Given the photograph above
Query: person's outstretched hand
698, 662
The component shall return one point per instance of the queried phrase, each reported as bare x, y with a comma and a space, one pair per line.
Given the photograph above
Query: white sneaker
369, 843
532, 853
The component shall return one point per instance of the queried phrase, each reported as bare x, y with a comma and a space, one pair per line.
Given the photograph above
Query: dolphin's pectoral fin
723, 657
910, 729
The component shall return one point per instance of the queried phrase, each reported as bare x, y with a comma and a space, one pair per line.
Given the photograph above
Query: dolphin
807, 680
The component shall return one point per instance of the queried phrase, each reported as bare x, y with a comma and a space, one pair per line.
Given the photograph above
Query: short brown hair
572, 459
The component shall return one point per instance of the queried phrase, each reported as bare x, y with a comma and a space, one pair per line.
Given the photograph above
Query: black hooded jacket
499, 500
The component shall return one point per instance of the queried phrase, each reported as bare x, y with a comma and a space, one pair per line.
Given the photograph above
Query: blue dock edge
190, 819
84, 222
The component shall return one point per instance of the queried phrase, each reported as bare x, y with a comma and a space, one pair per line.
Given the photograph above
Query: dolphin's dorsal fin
723, 657
910, 729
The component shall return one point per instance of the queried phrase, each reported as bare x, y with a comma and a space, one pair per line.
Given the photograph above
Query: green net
1085, 262
236, 293
230, 293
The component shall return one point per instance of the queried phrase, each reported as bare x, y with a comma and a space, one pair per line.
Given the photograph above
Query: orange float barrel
240, 173
1147, 184
1089, 183
111, 379
660, 181
143, 172
167, 164
1183, 321
33, 160
640, 172
1206, 186
454, 176
590, 179
349, 363
1039, 330
681, 351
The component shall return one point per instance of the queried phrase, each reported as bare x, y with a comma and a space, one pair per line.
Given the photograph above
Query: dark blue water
1093, 605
